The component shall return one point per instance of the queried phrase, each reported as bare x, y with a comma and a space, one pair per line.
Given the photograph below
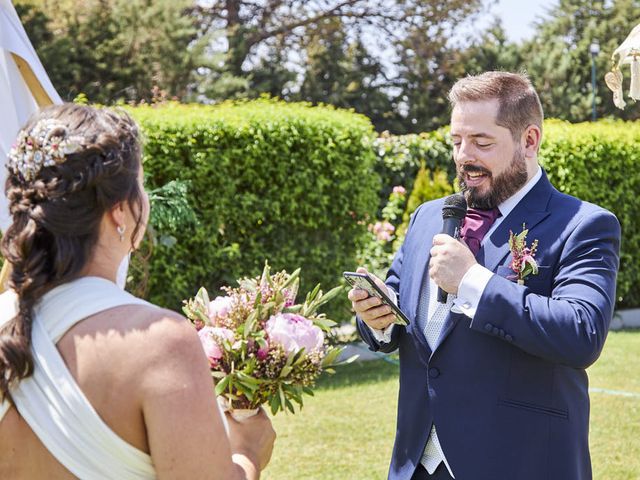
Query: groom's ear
531, 139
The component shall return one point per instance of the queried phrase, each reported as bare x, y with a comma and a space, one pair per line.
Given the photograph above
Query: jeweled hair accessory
46, 145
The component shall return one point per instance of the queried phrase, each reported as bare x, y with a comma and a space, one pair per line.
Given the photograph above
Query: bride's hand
252, 438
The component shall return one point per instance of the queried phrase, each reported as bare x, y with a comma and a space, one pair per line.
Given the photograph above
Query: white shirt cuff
471, 289
384, 336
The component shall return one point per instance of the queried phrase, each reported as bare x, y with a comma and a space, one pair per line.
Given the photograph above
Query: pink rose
219, 308
294, 332
382, 230
211, 339
399, 190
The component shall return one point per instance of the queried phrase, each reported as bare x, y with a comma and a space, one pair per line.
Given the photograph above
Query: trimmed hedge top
245, 114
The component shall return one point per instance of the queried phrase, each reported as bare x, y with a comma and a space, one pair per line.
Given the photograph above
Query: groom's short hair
519, 104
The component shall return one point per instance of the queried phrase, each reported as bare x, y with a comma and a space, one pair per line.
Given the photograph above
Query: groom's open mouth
475, 176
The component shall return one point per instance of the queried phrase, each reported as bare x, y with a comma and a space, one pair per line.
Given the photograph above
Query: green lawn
346, 431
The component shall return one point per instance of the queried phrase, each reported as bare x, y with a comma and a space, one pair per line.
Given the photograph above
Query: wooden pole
4, 276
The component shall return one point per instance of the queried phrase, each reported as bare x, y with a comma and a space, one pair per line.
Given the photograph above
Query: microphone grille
454, 206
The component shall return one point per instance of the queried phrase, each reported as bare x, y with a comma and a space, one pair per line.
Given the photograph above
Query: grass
346, 430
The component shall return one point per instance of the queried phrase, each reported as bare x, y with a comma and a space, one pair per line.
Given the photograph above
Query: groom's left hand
450, 260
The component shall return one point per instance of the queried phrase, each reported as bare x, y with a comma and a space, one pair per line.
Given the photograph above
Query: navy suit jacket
507, 389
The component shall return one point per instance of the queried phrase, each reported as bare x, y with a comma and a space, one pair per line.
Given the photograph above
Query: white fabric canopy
24, 85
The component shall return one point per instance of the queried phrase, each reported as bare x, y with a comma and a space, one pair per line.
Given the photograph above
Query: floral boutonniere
522, 263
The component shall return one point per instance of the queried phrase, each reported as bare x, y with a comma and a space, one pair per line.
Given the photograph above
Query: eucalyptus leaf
222, 385
292, 278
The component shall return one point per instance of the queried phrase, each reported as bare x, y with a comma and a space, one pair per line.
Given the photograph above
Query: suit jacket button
508, 338
434, 372
488, 327
496, 331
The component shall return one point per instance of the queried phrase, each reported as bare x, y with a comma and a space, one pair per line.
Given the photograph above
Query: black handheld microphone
453, 212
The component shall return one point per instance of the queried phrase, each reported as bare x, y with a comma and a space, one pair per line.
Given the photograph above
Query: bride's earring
121, 229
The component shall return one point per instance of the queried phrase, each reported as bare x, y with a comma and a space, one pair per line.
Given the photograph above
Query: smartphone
365, 282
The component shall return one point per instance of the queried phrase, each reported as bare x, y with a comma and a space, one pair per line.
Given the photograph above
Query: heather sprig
523, 262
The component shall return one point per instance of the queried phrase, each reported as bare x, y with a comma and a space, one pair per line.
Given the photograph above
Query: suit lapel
421, 272
531, 210
449, 323
421, 265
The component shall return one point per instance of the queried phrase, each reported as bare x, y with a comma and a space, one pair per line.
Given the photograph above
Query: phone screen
365, 282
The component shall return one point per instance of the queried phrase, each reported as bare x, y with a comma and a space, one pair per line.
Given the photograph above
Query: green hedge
268, 180
599, 162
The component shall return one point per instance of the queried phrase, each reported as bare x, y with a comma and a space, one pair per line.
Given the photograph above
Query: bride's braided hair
57, 207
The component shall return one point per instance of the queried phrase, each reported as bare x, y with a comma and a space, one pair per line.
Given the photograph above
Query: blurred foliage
376, 253
400, 157
171, 211
598, 162
429, 185
169, 214
348, 53
343, 73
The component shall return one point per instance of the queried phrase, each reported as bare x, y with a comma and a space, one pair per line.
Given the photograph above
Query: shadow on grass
358, 373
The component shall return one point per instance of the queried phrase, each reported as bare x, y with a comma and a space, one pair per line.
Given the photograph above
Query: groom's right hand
370, 309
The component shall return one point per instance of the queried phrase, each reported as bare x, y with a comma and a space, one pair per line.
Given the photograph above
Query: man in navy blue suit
492, 382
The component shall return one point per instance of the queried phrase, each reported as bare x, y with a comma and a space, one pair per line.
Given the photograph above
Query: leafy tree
429, 64
343, 73
249, 24
559, 61
271, 75
493, 51
114, 49
294, 26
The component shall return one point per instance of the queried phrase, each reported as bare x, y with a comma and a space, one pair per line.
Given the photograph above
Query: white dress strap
53, 404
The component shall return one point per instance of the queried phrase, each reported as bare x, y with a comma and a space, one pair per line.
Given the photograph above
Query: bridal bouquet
263, 347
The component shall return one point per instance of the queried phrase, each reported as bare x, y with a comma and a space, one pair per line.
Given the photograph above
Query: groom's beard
501, 187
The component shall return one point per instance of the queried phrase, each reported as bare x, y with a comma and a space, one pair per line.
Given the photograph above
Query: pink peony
294, 332
399, 190
211, 339
219, 308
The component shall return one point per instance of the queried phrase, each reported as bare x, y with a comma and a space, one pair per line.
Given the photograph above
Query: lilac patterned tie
476, 225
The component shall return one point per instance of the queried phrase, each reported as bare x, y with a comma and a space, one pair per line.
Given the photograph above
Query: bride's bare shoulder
164, 328
153, 325
147, 333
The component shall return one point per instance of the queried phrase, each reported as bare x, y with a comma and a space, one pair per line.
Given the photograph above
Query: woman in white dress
96, 383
